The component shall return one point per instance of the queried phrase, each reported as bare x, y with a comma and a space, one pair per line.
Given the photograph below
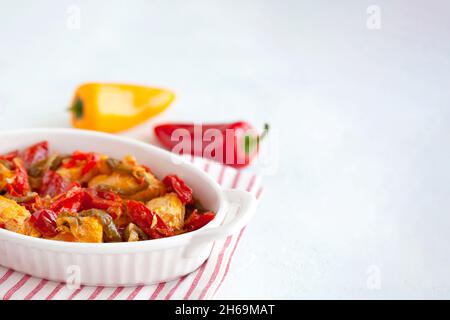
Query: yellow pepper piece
113, 107
12, 215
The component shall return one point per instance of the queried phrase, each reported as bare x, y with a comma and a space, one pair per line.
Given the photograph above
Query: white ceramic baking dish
122, 264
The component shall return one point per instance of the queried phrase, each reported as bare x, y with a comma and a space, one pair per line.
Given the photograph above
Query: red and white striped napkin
203, 283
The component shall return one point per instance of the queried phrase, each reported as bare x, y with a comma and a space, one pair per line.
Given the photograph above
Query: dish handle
245, 204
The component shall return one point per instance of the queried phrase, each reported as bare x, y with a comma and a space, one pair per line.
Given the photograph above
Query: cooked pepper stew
90, 197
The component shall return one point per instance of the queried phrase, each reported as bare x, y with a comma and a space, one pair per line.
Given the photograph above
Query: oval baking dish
127, 263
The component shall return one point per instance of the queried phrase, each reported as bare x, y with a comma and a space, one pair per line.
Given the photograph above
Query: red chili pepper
44, 221
103, 200
90, 158
35, 153
53, 184
175, 184
20, 185
196, 220
69, 201
147, 220
235, 144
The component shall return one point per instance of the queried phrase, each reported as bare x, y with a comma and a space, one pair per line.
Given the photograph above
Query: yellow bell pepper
113, 107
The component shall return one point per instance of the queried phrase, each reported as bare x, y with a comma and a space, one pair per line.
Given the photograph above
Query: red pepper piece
69, 201
196, 220
238, 146
147, 220
33, 204
44, 221
103, 200
35, 153
20, 185
10, 156
175, 184
90, 158
53, 184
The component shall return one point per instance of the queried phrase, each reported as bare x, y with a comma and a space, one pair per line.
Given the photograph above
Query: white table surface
359, 206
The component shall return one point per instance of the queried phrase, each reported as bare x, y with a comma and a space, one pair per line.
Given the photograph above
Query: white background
363, 116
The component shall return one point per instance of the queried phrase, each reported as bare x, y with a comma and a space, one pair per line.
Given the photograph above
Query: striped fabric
203, 283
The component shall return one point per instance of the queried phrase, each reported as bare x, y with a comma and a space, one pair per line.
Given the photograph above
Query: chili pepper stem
264, 133
252, 142
77, 108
